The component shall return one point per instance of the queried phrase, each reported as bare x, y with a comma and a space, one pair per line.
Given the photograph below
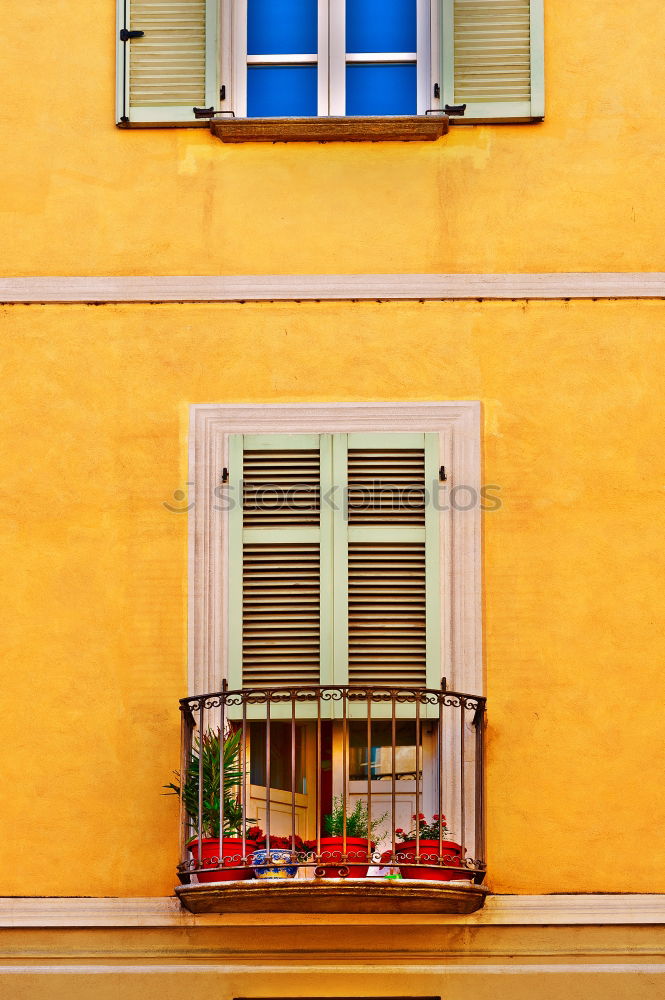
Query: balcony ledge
344, 895
406, 128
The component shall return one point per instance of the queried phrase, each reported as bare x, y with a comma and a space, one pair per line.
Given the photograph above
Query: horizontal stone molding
315, 287
289, 973
571, 910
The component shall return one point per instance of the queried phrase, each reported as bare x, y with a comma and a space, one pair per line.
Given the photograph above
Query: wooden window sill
408, 128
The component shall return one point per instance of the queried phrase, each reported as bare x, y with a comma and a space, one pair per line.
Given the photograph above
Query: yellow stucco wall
94, 428
79, 196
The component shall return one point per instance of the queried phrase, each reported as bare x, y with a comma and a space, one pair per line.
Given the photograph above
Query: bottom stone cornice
564, 909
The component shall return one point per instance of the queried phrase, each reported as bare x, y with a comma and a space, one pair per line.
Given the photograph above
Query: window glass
281, 91
380, 752
381, 90
381, 26
281, 27
280, 756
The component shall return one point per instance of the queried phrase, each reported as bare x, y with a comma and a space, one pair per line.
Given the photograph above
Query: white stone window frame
331, 54
458, 425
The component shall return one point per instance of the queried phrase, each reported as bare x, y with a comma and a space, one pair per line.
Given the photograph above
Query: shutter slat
485, 30
281, 489
280, 640
386, 486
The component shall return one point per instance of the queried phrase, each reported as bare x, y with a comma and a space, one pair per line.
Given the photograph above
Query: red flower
399, 830
421, 815
435, 816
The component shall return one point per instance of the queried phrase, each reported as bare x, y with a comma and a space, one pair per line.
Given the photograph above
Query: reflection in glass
380, 752
281, 91
280, 756
282, 27
381, 26
381, 90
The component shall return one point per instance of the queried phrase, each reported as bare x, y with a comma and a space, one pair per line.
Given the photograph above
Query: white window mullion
434, 51
424, 92
337, 56
239, 98
226, 55
381, 57
323, 80
280, 59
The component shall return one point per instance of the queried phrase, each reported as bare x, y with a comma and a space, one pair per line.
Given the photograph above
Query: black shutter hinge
126, 34
222, 92
225, 475
442, 474
437, 90
454, 109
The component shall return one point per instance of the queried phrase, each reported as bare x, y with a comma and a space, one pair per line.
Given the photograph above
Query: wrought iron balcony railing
321, 782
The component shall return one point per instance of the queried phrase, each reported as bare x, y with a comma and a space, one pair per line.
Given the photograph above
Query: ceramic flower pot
356, 853
278, 867
451, 854
231, 855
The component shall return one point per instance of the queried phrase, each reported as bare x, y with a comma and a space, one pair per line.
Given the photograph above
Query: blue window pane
281, 27
281, 91
381, 90
381, 26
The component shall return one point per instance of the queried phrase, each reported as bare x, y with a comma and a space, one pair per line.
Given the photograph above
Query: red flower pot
451, 853
356, 851
231, 855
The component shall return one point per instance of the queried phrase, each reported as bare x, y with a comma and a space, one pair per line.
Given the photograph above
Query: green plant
357, 822
207, 750
426, 831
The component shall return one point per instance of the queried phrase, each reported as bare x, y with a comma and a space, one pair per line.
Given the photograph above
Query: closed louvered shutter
493, 58
279, 554
387, 560
171, 68
334, 560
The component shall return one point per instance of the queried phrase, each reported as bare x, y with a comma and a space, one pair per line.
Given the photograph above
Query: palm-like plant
357, 821
207, 753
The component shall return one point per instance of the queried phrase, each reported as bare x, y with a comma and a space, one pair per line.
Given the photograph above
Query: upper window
329, 57
304, 58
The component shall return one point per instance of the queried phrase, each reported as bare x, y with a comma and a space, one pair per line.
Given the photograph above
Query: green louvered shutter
280, 553
492, 52
171, 67
334, 560
387, 560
